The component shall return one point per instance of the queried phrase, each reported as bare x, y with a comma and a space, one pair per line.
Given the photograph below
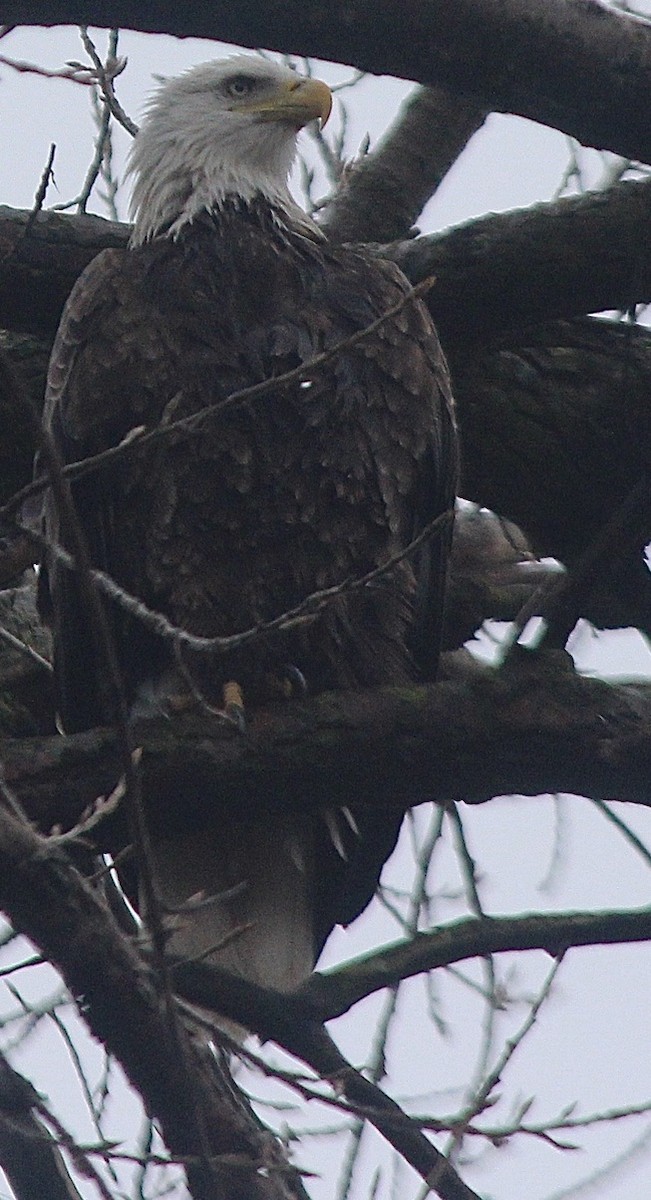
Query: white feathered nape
222, 130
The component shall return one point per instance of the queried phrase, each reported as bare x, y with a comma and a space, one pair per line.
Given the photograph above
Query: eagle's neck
179, 178
283, 215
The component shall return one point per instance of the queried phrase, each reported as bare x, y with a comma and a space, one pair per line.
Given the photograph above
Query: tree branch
536, 727
381, 196
333, 992
29, 1155
48, 901
38, 269
564, 258
293, 1022
560, 259
572, 64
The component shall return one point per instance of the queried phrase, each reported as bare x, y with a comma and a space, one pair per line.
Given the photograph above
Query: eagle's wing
82, 420
406, 363
433, 484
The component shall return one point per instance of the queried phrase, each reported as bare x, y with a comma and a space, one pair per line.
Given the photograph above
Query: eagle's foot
234, 709
180, 702
287, 683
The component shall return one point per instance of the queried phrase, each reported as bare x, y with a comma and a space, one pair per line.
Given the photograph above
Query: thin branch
27, 68
24, 649
305, 611
470, 879
334, 992
612, 1171
631, 837
481, 1099
375, 1067
116, 708
41, 191
497, 1133
139, 436
104, 74
29, 1156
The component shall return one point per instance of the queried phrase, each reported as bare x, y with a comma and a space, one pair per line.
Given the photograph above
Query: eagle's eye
240, 86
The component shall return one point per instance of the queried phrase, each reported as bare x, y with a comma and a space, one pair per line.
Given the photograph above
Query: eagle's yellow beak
297, 101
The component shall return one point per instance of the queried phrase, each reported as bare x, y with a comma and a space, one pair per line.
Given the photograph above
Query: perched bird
227, 525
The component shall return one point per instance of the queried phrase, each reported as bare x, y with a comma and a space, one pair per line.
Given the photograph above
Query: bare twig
628, 833
104, 74
23, 648
376, 1064
304, 612
472, 891
41, 191
483, 1093
26, 68
118, 713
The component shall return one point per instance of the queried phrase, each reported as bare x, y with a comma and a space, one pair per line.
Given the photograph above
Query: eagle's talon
293, 681
234, 710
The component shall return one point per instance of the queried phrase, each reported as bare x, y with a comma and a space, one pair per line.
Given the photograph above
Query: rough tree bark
381, 196
529, 729
483, 269
573, 64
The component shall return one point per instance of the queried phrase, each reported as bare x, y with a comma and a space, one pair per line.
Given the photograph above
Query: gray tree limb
564, 258
572, 64
329, 994
29, 1155
532, 728
381, 196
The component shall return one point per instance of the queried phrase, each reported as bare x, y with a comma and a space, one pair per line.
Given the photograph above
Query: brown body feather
301, 489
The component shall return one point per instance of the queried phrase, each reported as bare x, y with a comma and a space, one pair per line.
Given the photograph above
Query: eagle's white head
221, 129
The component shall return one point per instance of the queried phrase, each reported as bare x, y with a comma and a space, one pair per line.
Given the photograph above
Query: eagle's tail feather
263, 929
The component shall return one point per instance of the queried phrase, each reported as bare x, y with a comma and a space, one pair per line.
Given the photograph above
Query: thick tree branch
572, 64
564, 258
536, 727
46, 899
39, 268
381, 196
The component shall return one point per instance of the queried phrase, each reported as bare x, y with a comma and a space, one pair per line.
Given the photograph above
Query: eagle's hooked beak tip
314, 97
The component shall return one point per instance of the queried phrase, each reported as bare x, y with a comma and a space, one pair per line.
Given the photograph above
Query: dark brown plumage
230, 525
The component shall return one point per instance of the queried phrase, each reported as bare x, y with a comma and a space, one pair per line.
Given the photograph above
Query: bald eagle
227, 283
